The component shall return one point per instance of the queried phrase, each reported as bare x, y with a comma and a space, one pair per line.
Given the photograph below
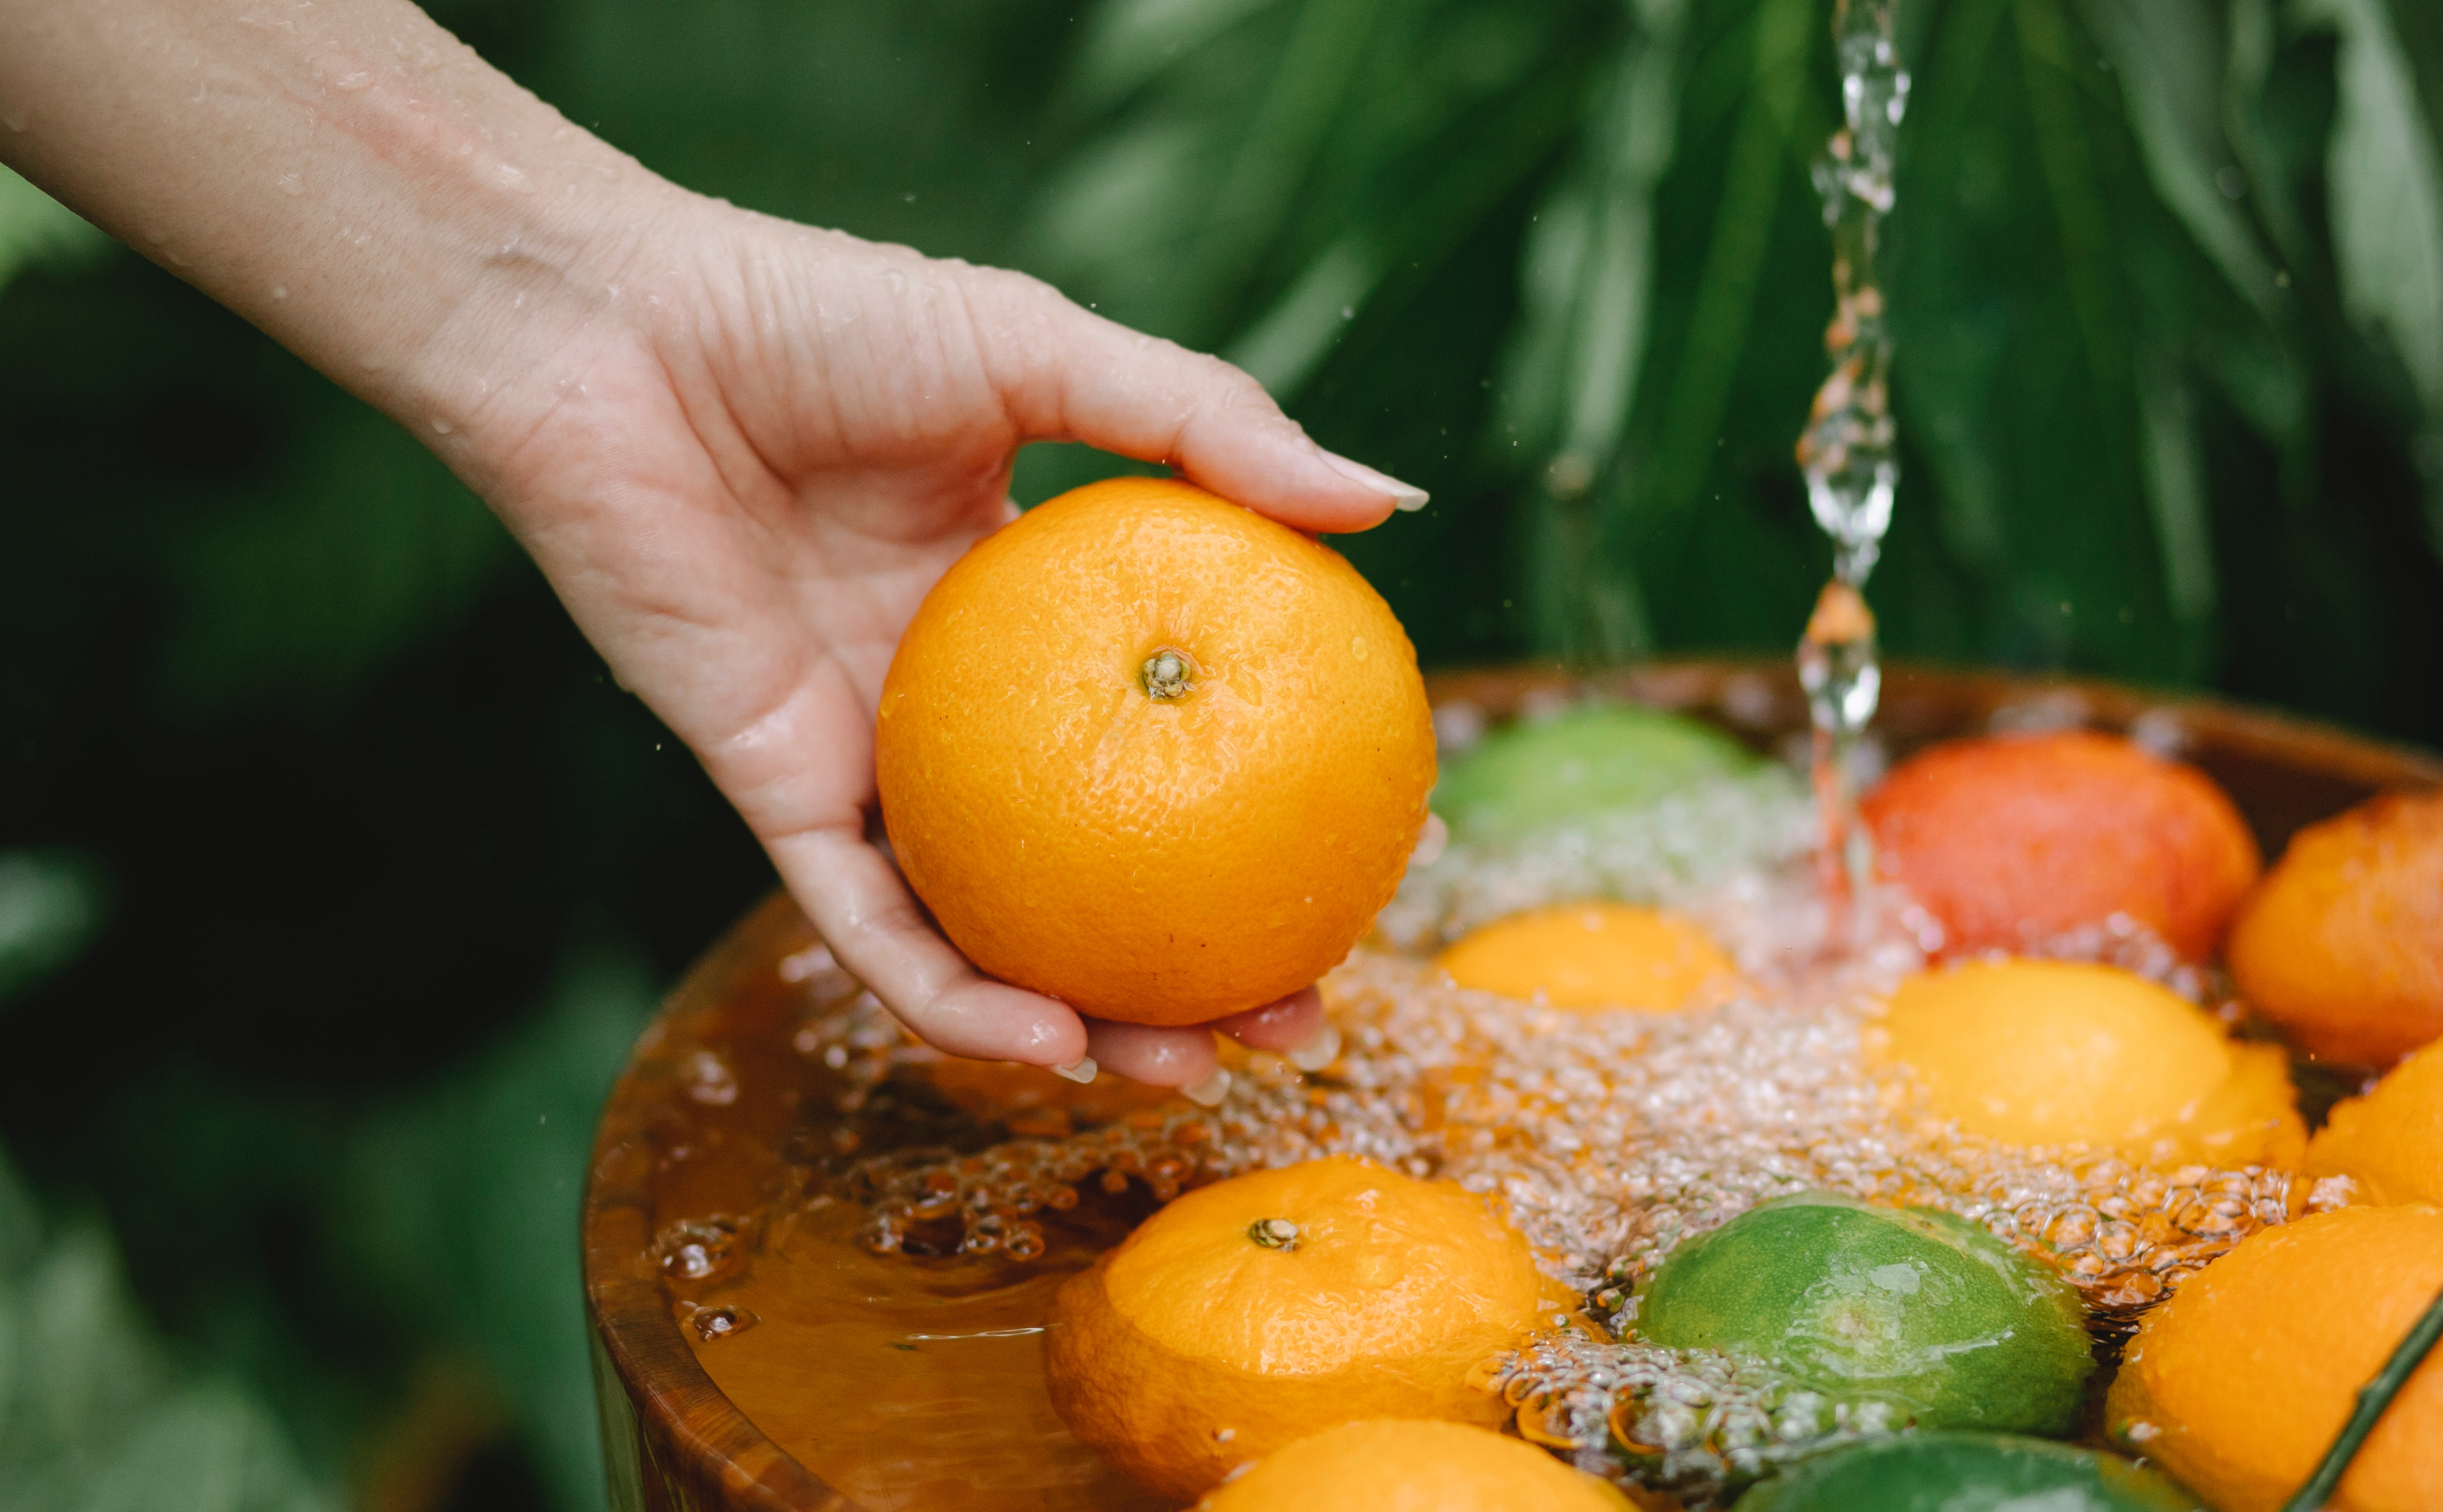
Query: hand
744, 474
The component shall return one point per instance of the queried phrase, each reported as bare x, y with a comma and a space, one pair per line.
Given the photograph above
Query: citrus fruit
2391, 1140
2009, 839
1587, 758
1154, 755
1405, 1465
2238, 1384
1967, 1473
1903, 1305
1595, 956
2058, 1052
1251, 1313
2342, 944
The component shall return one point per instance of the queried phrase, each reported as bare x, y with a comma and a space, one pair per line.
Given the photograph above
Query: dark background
336, 876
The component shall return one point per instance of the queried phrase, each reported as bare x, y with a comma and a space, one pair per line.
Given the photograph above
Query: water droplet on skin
15, 120
280, 291
290, 184
514, 178
352, 81
442, 427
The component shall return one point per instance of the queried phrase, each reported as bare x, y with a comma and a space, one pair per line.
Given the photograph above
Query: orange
1154, 755
1595, 956
2343, 943
1403, 1464
2391, 1140
1254, 1312
2238, 1384
2012, 838
2053, 1052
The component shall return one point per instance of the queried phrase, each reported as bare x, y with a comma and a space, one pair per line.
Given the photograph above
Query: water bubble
709, 1079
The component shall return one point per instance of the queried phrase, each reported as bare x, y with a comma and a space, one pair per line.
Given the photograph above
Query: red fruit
2009, 839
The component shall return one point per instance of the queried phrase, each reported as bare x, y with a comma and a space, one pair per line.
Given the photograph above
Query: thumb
1066, 374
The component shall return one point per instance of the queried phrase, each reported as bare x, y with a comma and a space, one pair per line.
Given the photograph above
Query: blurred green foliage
334, 873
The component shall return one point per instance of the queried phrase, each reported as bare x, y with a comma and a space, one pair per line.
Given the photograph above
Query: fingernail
1431, 843
1404, 497
1317, 1052
1080, 1070
1209, 1092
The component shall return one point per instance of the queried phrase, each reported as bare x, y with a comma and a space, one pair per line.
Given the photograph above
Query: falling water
1847, 450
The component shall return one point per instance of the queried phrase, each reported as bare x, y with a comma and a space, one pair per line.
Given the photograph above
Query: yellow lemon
2052, 1052
1595, 956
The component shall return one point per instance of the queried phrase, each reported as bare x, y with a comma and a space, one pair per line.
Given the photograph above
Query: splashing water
1848, 449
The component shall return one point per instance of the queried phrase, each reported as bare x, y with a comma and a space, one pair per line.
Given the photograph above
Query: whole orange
1154, 755
1252, 1313
2239, 1382
2342, 945
2008, 839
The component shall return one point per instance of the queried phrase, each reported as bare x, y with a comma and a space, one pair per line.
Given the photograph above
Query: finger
1283, 1026
1068, 374
1154, 1055
857, 903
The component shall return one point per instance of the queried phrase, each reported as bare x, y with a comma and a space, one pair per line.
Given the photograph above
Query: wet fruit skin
2059, 1053
1161, 842
2391, 1140
1905, 1305
2343, 943
1392, 1464
1595, 954
1254, 1312
2009, 839
2239, 1382
1967, 1473
1585, 760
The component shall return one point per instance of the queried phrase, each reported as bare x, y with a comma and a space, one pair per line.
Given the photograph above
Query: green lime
1906, 1306
1585, 760
1967, 1473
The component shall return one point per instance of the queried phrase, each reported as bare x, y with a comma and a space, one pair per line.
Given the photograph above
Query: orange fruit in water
1254, 1312
1595, 956
1406, 1465
2391, 1140
2052, 1052
2342, 945
1154, 755
2010, 839
2238, 1384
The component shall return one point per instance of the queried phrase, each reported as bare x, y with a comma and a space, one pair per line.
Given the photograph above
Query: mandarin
1595, 956
1406, 1465
1254, 1312
2008, 839
1154, 755
2040, 1052
2391, 1140
2342, 945
2238, 1384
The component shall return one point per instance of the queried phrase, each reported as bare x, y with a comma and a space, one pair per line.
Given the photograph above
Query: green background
336, 877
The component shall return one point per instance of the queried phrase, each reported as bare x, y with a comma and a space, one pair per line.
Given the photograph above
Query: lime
1906, 1306
1967, 1473
1589, 757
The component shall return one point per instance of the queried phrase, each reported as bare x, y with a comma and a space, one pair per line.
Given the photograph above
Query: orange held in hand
2343, 943
2010, 839
1154, 755
2239, 1382
1252, 1313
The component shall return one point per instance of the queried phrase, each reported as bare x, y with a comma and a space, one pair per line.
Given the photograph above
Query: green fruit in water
1967, 1473
1909, 1306
1588, 759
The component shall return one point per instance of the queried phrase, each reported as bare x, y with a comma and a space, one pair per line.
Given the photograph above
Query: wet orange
2238, 1384
1254, 1312
1595, 956
2011, 838
1154, 755
2342, 945
1405, 1464
2052, 1052
2391, 1140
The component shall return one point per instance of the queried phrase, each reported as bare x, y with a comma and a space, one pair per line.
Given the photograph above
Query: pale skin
741, 449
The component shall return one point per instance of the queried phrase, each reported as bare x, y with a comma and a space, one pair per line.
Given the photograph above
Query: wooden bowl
672, 1441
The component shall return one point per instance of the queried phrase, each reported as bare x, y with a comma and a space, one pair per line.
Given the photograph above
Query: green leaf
35, 227
52, 905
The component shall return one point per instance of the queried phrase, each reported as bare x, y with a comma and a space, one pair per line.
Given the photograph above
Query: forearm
345, 173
